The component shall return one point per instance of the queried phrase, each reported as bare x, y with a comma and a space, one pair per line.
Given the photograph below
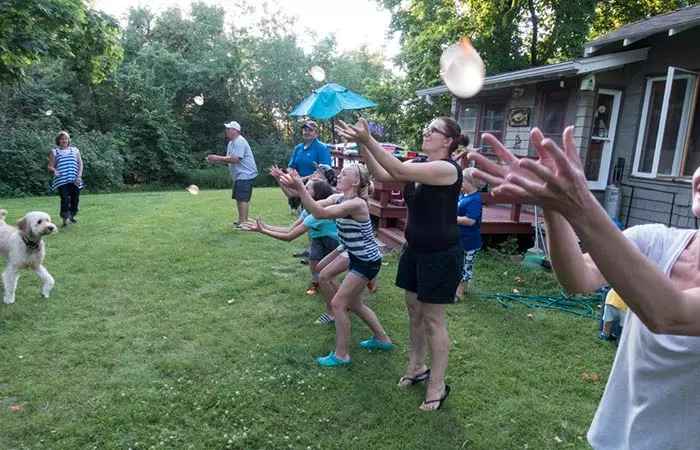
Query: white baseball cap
233, 124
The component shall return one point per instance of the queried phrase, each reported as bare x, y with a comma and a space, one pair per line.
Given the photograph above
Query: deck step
392, 238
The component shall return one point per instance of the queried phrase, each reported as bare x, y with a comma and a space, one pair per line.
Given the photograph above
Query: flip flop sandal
324, 319
414, 380
439, 401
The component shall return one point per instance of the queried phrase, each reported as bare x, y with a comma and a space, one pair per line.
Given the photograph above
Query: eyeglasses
430, 129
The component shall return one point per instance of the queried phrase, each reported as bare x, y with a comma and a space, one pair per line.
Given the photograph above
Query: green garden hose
580, 306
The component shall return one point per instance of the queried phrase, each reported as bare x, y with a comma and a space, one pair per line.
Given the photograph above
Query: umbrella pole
333, 128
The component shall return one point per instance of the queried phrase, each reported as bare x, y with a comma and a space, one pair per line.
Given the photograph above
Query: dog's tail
3, 214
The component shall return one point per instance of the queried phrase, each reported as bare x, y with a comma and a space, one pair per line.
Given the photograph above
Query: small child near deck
469, 211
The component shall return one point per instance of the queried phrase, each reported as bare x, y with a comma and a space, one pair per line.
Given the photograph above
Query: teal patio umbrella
328, 100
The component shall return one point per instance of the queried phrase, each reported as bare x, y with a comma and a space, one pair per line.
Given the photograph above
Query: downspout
429, 100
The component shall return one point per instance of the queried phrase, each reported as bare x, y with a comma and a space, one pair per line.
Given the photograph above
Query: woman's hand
554, 181
357, 133
252, 225
77, 181
292, 181
276, 172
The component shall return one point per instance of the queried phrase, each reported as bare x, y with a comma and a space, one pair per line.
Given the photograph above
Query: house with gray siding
632, 98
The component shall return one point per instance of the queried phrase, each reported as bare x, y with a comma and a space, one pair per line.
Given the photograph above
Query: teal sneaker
332, 361
374, 344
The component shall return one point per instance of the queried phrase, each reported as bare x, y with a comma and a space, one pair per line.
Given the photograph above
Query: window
468, 118
553, 116
475, 119
492, 121
669, 135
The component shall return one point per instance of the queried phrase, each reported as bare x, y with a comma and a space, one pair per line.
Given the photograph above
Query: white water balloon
462, 69
317, 73
192, 189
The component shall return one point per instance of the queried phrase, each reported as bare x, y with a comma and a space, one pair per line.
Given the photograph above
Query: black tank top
431, 224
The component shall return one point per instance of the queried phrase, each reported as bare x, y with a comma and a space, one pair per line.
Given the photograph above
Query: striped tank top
67, 167
358, 237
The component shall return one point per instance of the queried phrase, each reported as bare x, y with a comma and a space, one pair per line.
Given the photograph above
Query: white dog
23, 248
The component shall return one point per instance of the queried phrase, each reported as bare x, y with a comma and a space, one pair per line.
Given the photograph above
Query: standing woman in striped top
66, 165
351, 212
430, 267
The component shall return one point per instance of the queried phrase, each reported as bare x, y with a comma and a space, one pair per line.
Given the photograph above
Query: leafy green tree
33, 29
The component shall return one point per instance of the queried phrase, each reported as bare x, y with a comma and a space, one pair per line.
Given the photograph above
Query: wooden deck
497, 218
501, 215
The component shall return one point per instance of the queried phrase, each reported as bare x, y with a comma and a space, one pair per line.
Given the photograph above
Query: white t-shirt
652, 399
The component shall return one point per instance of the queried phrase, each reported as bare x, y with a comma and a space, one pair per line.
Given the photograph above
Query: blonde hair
468, 176
365, 189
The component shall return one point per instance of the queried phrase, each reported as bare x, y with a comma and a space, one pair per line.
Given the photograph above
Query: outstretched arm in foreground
556, 182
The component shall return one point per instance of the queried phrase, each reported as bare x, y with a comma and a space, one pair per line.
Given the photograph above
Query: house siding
659, 201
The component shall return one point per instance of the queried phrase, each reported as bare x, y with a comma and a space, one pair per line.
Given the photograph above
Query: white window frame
686, 114
608, 142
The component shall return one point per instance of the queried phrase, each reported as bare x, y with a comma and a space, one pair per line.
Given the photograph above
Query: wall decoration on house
519, 117
518, 141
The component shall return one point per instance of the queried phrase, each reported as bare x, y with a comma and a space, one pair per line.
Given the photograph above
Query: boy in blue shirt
469, 210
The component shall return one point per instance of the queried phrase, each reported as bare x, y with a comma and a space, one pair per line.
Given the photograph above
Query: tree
64, 29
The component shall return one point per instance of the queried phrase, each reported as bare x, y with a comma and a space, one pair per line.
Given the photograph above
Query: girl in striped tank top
66, 165
351, 212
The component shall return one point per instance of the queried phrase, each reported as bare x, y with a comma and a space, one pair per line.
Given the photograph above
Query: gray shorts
321, 246
242, 190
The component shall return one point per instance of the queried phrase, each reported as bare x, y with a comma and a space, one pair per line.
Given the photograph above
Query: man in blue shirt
241, 163
310, 151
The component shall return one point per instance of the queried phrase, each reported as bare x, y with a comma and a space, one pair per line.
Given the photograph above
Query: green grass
167, 329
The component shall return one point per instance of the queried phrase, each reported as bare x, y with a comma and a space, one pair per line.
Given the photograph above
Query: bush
24, 159
103, 165
272, 150
216, 177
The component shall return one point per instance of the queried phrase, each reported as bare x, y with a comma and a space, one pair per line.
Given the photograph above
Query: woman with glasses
431, 261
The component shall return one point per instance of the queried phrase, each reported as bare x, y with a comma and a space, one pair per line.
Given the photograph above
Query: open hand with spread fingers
292, 181
357, 133
554, 181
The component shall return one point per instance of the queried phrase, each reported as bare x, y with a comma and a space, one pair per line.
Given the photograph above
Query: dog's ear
22, 224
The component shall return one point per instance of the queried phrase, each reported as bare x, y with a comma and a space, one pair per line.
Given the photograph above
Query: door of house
599, 156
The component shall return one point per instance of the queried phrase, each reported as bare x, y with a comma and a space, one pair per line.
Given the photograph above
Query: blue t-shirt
303, 158
470, 206
321, 227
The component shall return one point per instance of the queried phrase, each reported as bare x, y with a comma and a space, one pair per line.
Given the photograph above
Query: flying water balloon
462, 69
317, 73
192, 189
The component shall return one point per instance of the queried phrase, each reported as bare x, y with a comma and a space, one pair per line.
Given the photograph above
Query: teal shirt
321, 227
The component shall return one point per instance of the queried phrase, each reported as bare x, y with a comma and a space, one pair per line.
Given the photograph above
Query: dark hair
454, 131
322, 190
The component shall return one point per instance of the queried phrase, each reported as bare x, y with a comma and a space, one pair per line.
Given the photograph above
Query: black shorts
319, 247
242, 190
364, 269
433, 276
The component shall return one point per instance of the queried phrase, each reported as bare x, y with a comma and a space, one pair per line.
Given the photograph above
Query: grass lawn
168, 329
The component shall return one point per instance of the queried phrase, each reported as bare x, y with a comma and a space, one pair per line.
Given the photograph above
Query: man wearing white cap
241, 163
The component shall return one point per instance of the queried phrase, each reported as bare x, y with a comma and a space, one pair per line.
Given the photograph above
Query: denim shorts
243, 190
364, 269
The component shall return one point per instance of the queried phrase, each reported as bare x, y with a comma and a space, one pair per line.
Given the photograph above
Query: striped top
67, 167
358, 238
